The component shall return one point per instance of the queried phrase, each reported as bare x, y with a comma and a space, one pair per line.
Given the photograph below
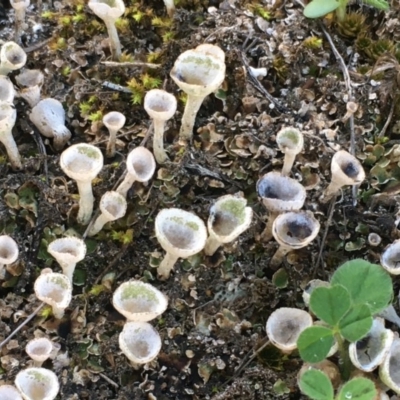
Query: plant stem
158, 141
19, 24
115, 44
193, 105
166, 266
86, 201
341, 10
345, 365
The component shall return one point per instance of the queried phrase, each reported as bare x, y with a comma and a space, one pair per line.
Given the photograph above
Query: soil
218, 305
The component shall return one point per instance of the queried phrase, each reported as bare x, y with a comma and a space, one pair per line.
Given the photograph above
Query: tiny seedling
346, 309
319, 8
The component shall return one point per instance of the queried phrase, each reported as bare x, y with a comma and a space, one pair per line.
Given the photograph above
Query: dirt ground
218, 305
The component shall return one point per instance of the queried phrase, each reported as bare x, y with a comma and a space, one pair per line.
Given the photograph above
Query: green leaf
330, 304
356, 323
379, 4
314, 343
367, 284
357, 389
316, 385
319, 8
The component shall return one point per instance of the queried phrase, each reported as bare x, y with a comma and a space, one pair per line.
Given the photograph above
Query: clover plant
358, 290
319, 8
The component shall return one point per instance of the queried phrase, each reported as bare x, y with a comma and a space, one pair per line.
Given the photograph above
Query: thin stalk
98, 225
193, 105
288, 163
110, 152
331, 191
166, 266
266, 235
12, 150
158, 141
125, 185
212, 245
19, 23
277, 258
61, 137
345, 365
86, 201
341, 10
68, 270
115, 44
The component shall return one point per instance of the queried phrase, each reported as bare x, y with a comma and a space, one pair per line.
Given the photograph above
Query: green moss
59, 281
201, 61
235, 207
138, 291
89, 152
181, 221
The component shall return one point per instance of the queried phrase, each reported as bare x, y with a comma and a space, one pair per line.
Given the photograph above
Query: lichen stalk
158, 142
115, 44
279, 255
125, 185
58, 312
166, 266
331, 191
193, 105
288, 163
12, 150
97, 226
86, 201
266, 234
19, 23
68, 270
212, 245
110, 152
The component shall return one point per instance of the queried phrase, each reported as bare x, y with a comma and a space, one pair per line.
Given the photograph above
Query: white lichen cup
390, 258
170, 6
140, 343
229, 217
12, 57
68, 252
293, 230
139, 301
112, 206
55, 290
140, 166
82, 162
279, 194
8, 116
389, 371
290, 142
109, 11
9, 392
49, 118
19, 7
197, 72
284, 326
7, 92
8, 253
369, 352
181, 234
37, 383
39, 350
31, 82
346, 170
113, 121
161, 106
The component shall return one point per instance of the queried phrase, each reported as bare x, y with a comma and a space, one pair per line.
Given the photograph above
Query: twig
37, 46
110, 381
388, 120
130, 64
245, 363
321, 249
12, 334
114, 86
